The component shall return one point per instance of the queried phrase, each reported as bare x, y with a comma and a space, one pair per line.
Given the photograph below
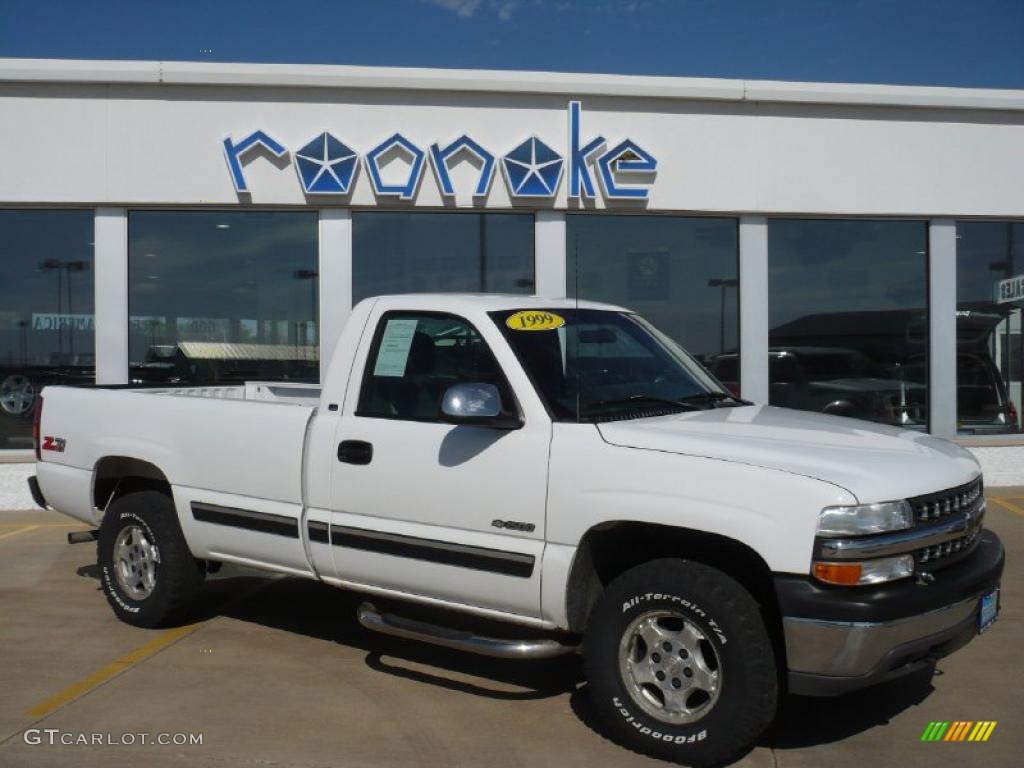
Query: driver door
428, 508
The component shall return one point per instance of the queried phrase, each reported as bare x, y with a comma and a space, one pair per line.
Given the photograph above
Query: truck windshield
598, 365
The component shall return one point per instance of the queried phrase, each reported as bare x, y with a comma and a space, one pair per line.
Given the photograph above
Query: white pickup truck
556, 464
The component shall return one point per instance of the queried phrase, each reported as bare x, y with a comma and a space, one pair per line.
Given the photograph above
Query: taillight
37, 419
1012, 413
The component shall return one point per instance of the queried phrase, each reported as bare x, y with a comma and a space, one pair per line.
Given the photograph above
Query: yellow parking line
129, 660
35, 526
19, 531
112, 669
1007, 504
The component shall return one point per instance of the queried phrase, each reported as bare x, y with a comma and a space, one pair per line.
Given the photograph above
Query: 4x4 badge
514, 525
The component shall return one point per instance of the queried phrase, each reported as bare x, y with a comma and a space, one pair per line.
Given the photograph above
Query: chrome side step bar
389, 624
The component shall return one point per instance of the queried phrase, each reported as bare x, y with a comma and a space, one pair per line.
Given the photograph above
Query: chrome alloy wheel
17, 395
669, 668
135, 562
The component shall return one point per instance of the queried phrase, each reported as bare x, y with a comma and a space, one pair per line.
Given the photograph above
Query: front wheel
679, 663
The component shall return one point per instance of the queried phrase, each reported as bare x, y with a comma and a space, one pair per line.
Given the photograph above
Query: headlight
867, 572
864, 519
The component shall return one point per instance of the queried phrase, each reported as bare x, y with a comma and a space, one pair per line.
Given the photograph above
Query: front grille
942, 553
947, 529
935, 506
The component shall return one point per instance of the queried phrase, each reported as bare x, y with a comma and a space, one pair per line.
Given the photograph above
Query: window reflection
222, 297
849, 318
397, 252
990, 347
680, 273
46, 311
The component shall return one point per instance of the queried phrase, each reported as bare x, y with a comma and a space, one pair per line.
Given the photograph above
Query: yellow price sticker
532, 320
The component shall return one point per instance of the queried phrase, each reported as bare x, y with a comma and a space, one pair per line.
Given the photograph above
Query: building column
754, 308
942, 327
549, 254
111, 295
335, 279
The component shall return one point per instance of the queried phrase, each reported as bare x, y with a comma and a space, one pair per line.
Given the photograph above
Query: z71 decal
54, 444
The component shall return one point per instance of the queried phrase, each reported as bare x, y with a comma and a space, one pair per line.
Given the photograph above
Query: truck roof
487, 302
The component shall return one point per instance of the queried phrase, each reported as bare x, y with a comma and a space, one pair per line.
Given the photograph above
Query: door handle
355, 452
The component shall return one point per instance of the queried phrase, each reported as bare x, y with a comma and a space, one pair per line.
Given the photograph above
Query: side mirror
476, 405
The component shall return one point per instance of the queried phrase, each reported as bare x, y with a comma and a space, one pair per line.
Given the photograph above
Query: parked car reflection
20, 384
837, 381
187, 362
879, 370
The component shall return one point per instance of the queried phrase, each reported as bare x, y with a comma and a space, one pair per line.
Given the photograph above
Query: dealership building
851, 249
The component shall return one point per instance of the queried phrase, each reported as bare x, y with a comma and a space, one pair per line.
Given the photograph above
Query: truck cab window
416, 357
600, 365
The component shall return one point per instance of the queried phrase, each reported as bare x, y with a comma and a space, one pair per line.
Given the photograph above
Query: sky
975, 43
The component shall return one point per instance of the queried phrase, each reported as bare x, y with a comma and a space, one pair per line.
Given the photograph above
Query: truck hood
871, 461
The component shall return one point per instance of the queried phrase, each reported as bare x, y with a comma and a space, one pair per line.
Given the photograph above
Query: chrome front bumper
842, 639
834, 657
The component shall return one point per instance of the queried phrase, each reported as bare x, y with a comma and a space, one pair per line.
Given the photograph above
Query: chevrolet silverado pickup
554, 464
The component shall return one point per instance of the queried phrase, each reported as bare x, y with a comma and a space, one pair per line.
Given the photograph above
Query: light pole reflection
724, 283
60, 266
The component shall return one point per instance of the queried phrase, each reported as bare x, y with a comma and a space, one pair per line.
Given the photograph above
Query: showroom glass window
989, 344
680, 273
848, 318
398, 252
46, 311
221, 297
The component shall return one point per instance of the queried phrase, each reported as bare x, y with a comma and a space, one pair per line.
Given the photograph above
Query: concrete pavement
277, 672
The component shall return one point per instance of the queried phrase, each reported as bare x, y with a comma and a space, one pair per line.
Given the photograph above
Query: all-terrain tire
683, 600
177, 575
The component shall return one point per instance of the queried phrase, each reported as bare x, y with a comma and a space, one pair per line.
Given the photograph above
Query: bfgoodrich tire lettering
177, 574
712, 631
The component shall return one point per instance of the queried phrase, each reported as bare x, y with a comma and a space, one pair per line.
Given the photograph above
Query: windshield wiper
639, 399
714, 397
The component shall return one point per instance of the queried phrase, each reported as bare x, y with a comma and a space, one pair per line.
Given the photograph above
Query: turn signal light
838, 573
877, 571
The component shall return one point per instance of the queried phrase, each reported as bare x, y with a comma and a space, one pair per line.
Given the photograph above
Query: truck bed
223, 445
282, 393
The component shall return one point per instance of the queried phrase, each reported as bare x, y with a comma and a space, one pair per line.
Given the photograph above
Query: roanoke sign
328, 166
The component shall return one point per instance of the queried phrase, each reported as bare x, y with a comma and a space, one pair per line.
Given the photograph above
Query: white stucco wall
1002, 466
160, 143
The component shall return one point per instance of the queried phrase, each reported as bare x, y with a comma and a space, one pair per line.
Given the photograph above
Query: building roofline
500, 81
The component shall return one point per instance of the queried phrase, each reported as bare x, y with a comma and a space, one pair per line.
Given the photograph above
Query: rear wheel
148, 574
679, 663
